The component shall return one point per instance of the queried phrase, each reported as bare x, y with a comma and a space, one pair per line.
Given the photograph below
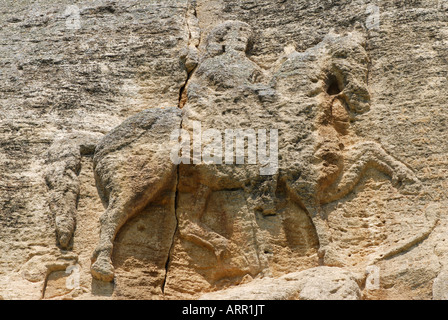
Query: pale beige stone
320, 283
360, 194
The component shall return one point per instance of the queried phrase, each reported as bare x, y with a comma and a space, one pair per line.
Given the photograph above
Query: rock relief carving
312, 96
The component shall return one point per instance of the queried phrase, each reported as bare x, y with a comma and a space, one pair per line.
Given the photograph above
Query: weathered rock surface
320, 283
92, 205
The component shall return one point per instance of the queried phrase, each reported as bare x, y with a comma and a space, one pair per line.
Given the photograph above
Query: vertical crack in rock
190, 54
170, 252
190, 58
183, 91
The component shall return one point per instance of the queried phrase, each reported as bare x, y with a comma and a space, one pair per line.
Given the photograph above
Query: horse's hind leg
111, 221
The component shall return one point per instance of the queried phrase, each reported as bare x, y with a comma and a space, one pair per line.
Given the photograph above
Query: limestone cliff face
118, 124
